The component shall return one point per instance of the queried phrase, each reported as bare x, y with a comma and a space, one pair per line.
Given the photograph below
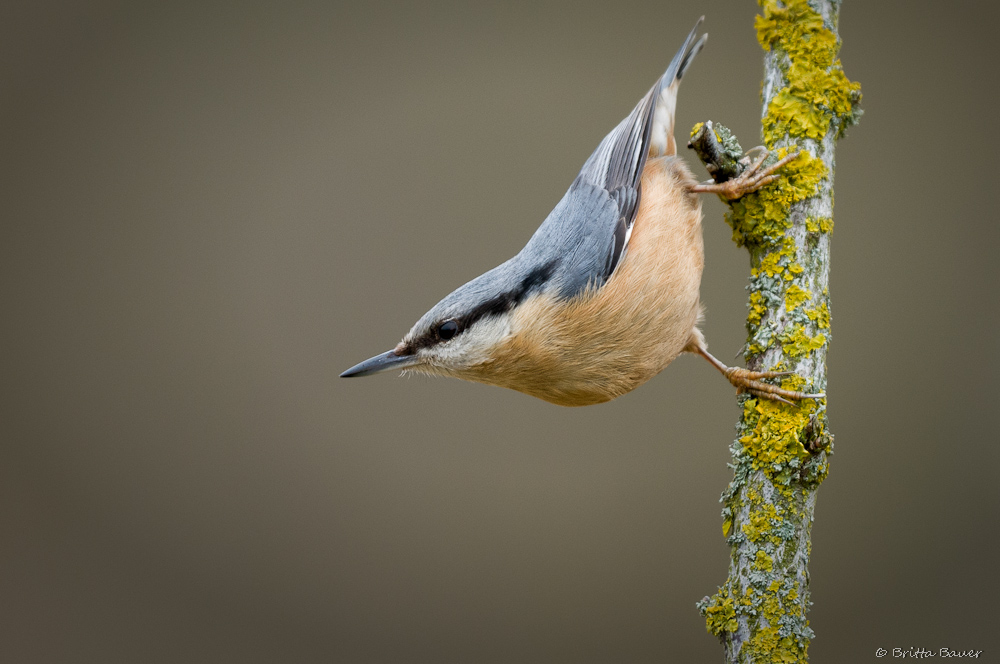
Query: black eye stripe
494, 306
507, 301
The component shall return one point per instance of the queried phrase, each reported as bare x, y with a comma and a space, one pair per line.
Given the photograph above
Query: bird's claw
750, 382
750, 180
751, 155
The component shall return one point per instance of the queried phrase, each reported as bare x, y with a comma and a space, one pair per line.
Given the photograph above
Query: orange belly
608, 341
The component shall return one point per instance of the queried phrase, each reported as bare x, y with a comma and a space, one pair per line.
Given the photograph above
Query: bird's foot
750, 382
749, 181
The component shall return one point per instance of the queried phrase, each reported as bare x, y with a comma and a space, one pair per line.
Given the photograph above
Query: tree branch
780, 456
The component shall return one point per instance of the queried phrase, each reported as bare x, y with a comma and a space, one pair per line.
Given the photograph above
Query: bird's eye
447, 329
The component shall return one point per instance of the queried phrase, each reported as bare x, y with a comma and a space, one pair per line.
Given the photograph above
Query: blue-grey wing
578, 239
589, 228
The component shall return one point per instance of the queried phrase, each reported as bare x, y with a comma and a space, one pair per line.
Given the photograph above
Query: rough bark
780, 455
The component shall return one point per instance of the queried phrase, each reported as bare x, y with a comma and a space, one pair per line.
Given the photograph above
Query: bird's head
463, 333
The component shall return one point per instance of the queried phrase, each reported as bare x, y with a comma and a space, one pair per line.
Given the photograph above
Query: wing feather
588, 231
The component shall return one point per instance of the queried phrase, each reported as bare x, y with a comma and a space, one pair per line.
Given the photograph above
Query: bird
605, 294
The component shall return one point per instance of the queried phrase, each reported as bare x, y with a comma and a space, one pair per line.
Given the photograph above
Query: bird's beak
387, 361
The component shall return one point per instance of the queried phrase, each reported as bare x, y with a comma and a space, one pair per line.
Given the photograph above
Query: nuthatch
605, 294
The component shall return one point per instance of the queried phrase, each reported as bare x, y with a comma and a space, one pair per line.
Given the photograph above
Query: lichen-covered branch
718, 149
780, 455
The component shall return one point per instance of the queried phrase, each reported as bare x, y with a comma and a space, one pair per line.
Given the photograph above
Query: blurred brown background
210, 210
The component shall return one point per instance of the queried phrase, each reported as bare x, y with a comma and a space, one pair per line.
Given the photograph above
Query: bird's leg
750, 180
749, 381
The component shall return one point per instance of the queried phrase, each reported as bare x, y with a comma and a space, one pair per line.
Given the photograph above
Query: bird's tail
662, 135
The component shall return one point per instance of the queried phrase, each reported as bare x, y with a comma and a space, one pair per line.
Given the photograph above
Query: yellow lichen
763, 562
778, 260
818, 92
774, 467
797, 343
792, 115
757, 308
773, 25
760, 521
793, 382
766, 643
773, 437
819, 224
820, 315
796, 296
720, 614
762, 216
